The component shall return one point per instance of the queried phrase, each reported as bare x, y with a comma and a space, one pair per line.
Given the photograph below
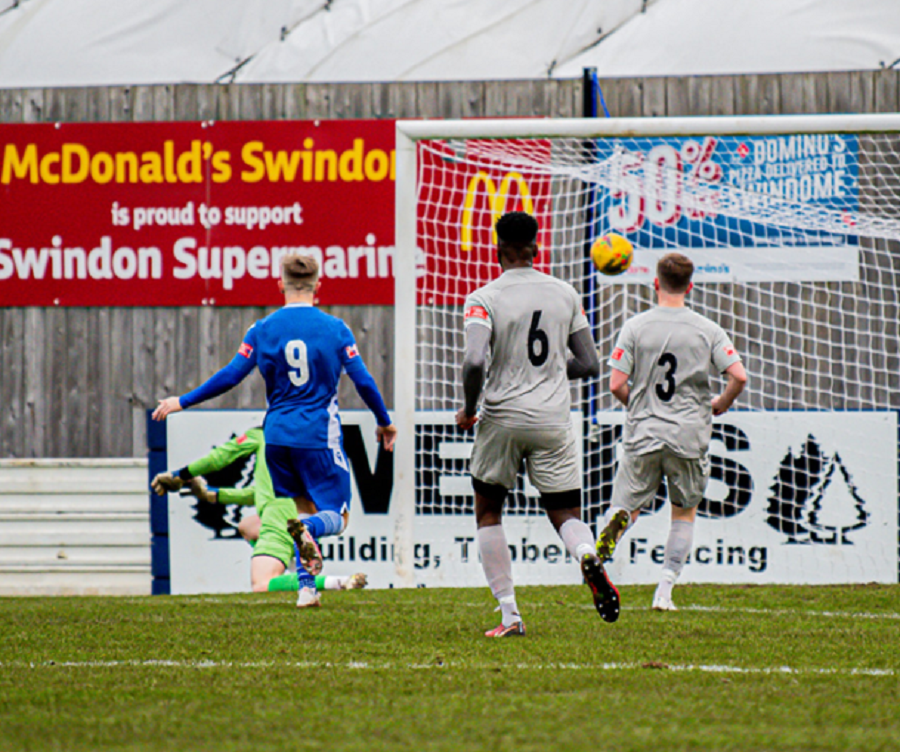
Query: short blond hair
299, 272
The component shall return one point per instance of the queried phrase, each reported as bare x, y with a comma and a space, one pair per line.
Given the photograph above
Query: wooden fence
76, 382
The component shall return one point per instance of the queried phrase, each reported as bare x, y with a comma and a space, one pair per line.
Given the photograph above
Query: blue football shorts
320, 475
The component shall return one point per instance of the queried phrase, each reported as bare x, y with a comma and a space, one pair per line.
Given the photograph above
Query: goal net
793, 225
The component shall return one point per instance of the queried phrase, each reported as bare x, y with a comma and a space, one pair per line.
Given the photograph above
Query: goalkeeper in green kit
273, 547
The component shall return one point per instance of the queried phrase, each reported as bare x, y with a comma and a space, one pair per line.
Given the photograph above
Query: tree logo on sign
813, 498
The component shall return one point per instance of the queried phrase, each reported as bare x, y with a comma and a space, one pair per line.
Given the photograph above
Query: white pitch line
793, 612
251, 600
767, 612
443, 665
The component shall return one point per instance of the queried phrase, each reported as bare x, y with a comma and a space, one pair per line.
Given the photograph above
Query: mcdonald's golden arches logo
497, 198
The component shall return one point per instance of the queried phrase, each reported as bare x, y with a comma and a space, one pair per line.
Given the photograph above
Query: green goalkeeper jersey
252, 442
273, 512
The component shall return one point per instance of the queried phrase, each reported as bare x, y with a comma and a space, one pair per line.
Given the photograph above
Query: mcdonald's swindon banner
201, 213
193, 213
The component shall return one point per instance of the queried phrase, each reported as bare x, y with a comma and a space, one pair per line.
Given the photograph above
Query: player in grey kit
528, 322
661, 364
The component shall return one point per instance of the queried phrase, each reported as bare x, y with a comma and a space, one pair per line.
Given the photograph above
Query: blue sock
323, 523
304, 578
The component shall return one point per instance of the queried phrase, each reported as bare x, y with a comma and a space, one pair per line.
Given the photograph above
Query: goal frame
410, 132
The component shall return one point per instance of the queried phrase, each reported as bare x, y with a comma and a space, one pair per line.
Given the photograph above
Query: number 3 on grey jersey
668, 352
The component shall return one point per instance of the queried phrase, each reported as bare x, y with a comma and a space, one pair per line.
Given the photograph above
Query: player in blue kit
301, 353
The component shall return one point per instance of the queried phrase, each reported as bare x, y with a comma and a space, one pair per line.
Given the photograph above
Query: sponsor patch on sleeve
351, 351
729, 350
477, 312
245, 350
618, 353
241, 439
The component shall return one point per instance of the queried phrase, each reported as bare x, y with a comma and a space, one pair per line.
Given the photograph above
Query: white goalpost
793, 224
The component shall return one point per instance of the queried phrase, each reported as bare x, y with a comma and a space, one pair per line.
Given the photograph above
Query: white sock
666, 582
509, 611
678, 547
497, 565
578, 538
334, 582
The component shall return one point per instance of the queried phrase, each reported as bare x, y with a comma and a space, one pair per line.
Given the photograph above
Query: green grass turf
798, 668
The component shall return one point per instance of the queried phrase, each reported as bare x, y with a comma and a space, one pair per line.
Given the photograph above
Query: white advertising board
206, 555
820, 507
759, 264
835, 522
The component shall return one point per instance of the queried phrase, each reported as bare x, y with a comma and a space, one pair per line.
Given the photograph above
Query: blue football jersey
300, 352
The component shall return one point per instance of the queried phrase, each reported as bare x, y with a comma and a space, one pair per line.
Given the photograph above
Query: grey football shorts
551, 456
639, 476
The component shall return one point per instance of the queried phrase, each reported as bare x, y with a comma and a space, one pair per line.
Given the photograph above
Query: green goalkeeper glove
163, 483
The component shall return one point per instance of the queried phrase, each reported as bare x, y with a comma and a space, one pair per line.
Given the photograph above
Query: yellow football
612, 254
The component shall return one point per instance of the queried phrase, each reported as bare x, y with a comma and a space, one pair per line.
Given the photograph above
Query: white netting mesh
795, 241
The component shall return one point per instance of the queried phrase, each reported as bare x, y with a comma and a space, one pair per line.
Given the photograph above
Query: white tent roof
105, 42
435, 40
694, 37
102, 42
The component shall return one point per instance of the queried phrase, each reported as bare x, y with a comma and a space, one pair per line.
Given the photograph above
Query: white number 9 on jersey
295, 355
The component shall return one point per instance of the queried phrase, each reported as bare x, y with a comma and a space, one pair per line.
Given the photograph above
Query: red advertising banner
199, 213
461, 201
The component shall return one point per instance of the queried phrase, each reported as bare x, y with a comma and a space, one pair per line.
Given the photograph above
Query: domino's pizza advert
779, 208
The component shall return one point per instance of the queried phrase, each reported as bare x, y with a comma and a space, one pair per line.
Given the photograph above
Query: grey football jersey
530, 315
668, 353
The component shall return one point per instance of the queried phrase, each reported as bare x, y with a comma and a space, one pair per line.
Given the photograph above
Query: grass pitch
738, 668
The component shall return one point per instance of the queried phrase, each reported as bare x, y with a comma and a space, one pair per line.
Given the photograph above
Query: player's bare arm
584, 363
478, 341
387, 435
618, 385
737, 380
166, 407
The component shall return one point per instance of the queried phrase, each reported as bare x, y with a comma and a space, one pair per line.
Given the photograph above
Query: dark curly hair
517, 235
